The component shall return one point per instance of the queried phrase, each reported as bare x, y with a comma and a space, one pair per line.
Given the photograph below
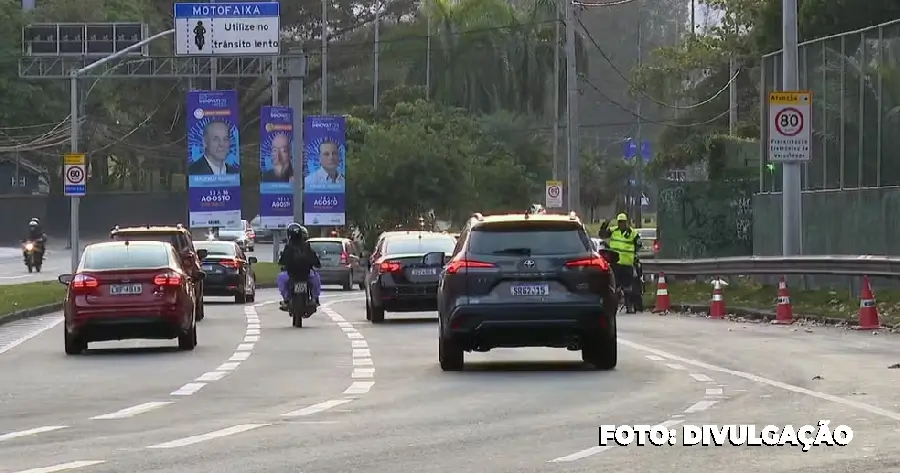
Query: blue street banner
214, 173
325, 159
631, 150
276, 169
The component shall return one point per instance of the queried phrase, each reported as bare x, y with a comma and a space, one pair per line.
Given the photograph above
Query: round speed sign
789, 122
554, 191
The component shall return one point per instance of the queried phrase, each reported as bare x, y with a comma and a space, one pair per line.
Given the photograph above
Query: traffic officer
625, 241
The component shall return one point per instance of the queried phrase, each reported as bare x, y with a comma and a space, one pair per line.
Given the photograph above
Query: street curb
762, 315
56, 307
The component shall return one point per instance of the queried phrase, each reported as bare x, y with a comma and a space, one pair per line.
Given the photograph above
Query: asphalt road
58, 261
342, 395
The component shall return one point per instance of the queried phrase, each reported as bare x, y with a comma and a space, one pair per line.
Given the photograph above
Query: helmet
622, 217
297, 231
34, 222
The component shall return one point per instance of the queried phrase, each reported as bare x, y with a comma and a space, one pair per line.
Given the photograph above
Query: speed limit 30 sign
789, 126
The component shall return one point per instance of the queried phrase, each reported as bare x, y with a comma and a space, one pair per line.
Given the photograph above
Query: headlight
29, 246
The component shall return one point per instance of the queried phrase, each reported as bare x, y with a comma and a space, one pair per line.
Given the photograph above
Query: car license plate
530, 290
300, 287
423, 271
125, 289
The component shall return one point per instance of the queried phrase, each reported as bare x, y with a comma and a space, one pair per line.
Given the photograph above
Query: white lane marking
317, 408
759, 379
237, 429
362, 362
359, 344
355, 336
133, 410
63, 466
211, 376
349, 330
671, 423
363, 373
655, 358
675, 366
252, 331
30, 432
582, 454
701, 377
46, 324
240, 356
362, 353
253, 327
700, 406
245, 347
714, 391
251, 339
359, 387
229, 366
338, 317
345, 325
188, 389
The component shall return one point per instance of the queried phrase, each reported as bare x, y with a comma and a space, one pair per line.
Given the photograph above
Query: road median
748, 299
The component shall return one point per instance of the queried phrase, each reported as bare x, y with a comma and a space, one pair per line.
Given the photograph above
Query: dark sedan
397, 281
229, 272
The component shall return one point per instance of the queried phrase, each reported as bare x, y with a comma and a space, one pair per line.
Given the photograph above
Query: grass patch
746, 293
16, 297
266, 273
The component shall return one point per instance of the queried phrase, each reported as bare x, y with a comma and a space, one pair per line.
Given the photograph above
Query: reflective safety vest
625, 246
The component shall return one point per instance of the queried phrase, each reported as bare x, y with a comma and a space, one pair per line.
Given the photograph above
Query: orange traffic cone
717, 305
868, 313
784, 315
663, 304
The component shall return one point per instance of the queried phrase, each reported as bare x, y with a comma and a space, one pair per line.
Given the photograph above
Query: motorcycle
34, 259
301, 305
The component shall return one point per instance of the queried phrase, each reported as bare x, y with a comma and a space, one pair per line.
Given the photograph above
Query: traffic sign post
553, 197
75, 175
227, 29
789, 126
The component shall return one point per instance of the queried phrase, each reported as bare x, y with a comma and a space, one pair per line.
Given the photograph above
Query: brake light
454, 266
389, 267
230, 263
597, 262
167, 279
344, 257
656, 245
82, 282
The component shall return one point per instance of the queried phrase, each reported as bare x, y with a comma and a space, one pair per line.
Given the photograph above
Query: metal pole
297, 71
274, 85
213, 68
428, 59
792, 204
572, 161
377, 58
639, 155
74, 201
732, 98
324, 57
556, 95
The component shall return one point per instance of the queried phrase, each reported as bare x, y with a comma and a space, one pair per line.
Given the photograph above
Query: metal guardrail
839, 265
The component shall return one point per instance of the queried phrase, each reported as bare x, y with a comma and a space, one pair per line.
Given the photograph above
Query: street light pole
791, 196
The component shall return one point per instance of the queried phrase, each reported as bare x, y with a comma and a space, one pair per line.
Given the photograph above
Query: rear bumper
123, 324
482, 328
408, 298
337, 275
223, 285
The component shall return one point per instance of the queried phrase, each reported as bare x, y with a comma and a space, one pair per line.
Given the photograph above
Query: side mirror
253, 260
435, 258
65, 279
201, 275
202, 254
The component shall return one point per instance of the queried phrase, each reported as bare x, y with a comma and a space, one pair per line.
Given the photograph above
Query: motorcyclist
626, 242
36, 234
297, 262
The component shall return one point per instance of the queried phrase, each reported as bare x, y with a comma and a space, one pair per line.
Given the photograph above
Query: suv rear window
150, 236
396, 246
533, 238
126, 257
327, 247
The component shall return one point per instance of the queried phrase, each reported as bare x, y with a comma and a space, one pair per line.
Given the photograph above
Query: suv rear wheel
450, 354
602, 350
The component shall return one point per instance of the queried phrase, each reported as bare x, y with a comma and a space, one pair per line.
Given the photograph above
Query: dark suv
180, 238
525, 281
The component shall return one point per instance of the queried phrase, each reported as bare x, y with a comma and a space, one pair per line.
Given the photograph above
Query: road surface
58, 261
343, 395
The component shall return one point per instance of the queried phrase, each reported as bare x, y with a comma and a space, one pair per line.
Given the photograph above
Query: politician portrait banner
325, 159
276, 170
214, 159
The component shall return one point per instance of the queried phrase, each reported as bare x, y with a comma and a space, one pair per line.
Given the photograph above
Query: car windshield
327, 247
647, 233
527, 239
148, 236
131, 256
396, 246
215, 249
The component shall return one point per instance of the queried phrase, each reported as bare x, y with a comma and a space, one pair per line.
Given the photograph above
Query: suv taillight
656, 246
597, 262
454, 266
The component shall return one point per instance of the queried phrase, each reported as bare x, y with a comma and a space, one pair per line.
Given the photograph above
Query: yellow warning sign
74, 159
790, 98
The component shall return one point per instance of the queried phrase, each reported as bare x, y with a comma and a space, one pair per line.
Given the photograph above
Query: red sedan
126, 290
